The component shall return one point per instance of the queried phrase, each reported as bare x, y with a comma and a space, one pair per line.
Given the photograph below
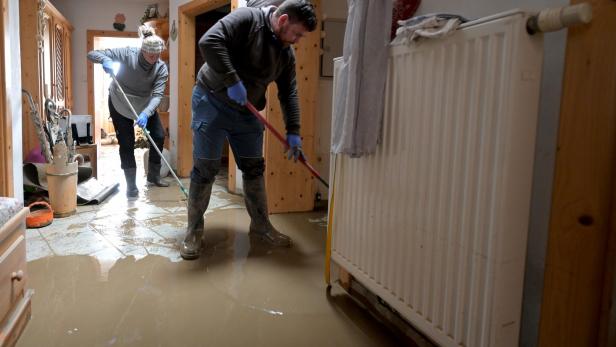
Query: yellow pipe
330, 219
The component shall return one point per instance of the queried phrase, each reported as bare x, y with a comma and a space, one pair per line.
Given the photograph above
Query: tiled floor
153, 224
111, 275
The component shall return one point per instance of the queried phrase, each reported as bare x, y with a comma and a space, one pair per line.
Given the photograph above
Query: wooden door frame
6, 114
187, 74
91, 35
581, 254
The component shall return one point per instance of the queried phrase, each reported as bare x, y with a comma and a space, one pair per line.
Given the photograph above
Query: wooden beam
6, 114
580, 224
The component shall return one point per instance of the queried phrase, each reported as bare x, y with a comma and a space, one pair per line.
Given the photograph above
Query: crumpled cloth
429, 26
360, 76
9, 207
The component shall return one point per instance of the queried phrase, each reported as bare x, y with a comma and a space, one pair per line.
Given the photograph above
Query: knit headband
151, 43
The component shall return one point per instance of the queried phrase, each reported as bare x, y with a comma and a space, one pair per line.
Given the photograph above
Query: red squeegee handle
279, 136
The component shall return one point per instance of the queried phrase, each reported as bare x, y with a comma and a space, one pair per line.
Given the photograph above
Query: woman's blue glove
108, 66
142, 120
295, 147
237, 93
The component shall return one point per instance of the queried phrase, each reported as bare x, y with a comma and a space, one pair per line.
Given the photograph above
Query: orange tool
41, 217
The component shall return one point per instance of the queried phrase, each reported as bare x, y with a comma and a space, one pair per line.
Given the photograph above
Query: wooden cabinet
14, 297
45, 38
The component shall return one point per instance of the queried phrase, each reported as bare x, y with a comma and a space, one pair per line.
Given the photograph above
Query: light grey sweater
143, 83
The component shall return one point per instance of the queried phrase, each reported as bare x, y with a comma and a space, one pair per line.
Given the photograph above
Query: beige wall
332, 9
13, 60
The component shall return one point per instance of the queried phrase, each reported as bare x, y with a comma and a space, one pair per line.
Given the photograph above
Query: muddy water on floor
240, 293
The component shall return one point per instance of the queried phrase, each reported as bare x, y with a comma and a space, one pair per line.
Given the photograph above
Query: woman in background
143, 77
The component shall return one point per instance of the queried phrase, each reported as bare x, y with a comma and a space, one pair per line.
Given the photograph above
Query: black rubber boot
154, 175
198, 199
131, 183
256, 204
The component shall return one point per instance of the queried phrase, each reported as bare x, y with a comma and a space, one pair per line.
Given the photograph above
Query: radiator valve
553, 19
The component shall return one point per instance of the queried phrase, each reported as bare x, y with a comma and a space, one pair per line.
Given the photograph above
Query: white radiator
436, 221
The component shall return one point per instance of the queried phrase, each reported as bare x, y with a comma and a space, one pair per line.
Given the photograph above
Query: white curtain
358, 97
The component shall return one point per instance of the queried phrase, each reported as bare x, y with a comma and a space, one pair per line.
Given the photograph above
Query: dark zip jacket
242, 46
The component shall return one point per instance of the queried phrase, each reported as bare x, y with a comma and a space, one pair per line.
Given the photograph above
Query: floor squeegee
279, 136
147, 134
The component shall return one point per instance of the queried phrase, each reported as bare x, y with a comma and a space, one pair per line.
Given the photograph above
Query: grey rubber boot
131, 183
198, 200
154, 175
256, 204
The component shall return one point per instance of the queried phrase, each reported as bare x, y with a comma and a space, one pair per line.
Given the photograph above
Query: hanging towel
428, 26
358, 97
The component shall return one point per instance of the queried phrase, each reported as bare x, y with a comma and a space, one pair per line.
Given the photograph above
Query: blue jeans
213, 121
125, 132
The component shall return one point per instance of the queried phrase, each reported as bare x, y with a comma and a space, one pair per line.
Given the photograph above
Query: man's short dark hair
299, 11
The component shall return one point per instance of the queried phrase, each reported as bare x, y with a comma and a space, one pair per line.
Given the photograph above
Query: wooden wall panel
580, 225
290, 187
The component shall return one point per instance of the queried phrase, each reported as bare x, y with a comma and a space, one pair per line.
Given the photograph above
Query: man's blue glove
295, 147
142, 120
237, 93
108, 66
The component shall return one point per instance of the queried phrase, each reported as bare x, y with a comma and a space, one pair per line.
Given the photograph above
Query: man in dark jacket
244, 52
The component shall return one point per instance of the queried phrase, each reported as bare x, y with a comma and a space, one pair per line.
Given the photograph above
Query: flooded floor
111, 275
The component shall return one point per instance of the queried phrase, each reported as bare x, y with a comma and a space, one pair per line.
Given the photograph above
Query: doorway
98, 95
187, 72
203, 23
